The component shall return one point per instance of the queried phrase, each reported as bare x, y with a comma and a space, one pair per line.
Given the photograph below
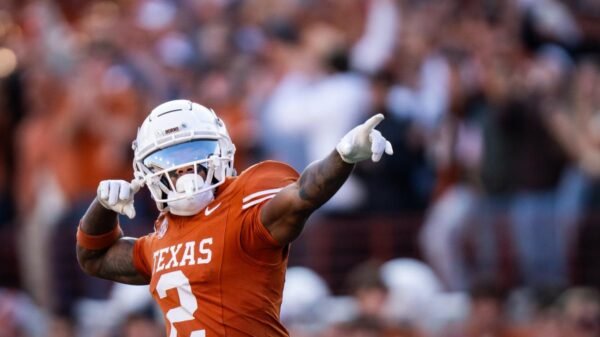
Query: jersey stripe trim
258, 201
259, 193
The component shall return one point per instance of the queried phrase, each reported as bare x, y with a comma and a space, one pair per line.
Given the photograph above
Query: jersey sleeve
140, 256
262, 184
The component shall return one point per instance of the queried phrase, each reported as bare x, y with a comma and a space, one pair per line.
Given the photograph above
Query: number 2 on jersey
188, 304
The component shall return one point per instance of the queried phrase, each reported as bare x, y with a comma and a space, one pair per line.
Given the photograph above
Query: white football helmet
180, 135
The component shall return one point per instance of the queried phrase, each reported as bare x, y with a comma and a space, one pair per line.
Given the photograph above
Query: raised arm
284, 215
102, 251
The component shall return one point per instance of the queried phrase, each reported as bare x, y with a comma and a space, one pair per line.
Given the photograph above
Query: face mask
193, 204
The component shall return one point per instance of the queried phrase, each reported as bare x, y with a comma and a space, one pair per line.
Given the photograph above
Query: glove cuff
340, 151
104, 204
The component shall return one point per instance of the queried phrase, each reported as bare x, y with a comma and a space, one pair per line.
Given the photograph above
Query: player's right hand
117, 195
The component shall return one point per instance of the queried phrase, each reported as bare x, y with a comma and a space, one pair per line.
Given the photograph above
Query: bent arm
115, 262
284, 215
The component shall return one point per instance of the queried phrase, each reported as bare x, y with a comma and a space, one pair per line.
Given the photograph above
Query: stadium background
483, 223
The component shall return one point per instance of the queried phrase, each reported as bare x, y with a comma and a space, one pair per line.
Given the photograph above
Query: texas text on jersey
219, 272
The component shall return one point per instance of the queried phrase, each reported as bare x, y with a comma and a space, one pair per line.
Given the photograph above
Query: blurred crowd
492, 106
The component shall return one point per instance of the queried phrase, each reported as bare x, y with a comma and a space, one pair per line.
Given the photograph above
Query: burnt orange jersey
219, 272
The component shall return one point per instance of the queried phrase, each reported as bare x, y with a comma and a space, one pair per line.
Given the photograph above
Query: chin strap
192, 205
185, 204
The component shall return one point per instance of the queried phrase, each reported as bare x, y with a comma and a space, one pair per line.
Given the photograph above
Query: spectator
141, 324
487, 313
579, 313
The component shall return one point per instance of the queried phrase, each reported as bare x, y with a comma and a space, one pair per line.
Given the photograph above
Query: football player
216, 261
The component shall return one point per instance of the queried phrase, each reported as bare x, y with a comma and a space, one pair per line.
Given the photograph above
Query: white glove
117, 195
363, 142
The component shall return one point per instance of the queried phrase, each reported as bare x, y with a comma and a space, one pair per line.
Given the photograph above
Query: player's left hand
364, 142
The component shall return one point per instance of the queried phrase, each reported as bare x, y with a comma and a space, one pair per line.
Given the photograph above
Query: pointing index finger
372, 122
